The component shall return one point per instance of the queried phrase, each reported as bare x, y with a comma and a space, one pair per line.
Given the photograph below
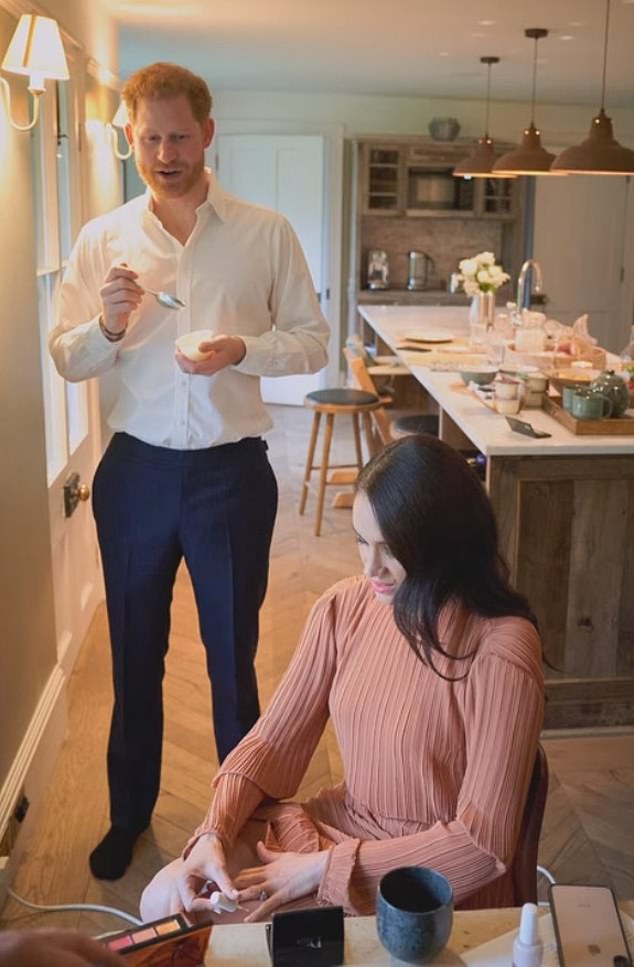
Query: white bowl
188, 343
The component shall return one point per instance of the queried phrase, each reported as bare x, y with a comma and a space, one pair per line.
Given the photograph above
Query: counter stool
334, 402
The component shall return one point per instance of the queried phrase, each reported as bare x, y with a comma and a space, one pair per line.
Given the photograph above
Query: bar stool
335, 402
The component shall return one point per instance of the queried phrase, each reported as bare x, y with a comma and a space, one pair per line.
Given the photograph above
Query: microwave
434, 189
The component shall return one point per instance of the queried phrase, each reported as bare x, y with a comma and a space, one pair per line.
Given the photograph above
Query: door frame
333, 135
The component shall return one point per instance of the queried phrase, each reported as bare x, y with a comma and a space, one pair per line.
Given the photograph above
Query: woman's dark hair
438, 522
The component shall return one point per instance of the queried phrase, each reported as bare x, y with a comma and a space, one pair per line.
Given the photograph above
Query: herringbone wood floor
590, 811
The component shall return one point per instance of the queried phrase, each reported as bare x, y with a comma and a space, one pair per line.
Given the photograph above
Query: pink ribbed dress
436, 772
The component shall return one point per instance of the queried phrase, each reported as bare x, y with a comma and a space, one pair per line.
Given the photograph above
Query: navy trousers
153, 506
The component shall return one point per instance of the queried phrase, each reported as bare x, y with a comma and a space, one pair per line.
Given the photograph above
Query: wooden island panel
566, 528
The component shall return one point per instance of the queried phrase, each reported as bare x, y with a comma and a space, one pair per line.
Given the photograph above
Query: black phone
588, 926
521, 426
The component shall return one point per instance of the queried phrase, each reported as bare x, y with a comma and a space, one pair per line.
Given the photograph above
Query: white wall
560, 125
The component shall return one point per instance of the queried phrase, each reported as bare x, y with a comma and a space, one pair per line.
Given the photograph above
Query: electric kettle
420, 265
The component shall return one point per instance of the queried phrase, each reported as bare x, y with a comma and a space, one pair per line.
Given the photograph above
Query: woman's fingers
267, 908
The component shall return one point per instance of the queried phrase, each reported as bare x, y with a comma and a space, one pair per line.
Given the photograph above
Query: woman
430, 668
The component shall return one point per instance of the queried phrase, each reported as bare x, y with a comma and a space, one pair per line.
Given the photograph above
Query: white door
286, 173
70, 410
580, 231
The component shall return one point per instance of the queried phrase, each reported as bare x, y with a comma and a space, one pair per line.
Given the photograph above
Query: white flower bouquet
481, 274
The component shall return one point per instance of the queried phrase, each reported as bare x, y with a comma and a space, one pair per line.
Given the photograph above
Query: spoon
167, 300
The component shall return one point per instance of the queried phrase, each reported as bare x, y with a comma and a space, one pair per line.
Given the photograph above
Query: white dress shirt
241, 272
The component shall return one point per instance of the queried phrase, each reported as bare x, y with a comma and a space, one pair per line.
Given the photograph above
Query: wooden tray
618, 426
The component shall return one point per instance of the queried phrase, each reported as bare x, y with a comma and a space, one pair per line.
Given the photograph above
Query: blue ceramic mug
414, 913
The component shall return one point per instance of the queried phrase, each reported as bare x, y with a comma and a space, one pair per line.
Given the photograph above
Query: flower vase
481, 315
482, 309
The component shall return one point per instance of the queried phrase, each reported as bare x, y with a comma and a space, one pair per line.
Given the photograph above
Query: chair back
361, 379
524, 865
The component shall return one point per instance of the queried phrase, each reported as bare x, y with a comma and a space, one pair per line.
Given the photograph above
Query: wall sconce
118, 122
35, 50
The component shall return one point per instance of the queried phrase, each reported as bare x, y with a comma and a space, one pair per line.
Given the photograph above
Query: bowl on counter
482, 376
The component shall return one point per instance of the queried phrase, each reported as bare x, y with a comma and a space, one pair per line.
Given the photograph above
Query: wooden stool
333, 402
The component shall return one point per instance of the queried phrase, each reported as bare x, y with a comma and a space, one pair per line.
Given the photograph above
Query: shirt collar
216, 197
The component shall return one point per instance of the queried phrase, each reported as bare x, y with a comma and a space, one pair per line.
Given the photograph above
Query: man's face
169, 145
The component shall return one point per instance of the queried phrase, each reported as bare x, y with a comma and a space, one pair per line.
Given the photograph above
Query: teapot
614, 387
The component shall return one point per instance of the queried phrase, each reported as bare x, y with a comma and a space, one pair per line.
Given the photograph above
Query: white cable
546, 873
60, 907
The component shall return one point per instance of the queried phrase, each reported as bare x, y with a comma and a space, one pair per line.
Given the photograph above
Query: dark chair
524, 865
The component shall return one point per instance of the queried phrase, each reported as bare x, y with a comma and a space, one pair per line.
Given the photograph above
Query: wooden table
245, 944
565, 513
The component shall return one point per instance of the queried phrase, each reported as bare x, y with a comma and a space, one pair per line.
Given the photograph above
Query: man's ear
209, 128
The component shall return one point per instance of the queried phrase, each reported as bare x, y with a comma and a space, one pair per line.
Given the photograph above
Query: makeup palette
170, 942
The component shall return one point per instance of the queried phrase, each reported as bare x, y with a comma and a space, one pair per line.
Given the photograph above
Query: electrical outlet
10, 835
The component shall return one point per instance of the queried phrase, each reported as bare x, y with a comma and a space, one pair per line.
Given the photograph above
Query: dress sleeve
270, 762
503, 717
298, 340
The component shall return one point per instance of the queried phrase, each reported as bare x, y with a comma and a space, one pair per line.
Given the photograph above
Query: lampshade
530, 158
479, 163
600, 153
121, 116
36, 50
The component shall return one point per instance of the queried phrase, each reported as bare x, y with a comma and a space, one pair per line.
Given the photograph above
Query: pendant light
600, 153
530, 158
479, 163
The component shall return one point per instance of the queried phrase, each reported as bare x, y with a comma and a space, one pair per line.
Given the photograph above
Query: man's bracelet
109, 334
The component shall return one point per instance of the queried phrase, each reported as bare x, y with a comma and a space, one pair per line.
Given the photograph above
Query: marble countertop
488, 430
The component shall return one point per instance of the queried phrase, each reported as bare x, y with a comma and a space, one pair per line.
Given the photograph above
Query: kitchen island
565, 512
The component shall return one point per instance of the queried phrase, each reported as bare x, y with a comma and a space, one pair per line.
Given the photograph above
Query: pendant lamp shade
479, 164
530, 158
600, 153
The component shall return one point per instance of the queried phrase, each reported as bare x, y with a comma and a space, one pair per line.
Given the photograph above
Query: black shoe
111, 858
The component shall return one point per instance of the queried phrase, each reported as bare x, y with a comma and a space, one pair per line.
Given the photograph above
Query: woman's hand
206, 862
282, 877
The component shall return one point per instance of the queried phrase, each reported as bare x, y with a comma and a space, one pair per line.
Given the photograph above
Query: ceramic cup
508, 407
567, 394
589, 405
507, 389
414, 913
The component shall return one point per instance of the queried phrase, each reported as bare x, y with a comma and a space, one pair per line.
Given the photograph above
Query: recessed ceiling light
566, 37
486, 23
443, 53
576, 23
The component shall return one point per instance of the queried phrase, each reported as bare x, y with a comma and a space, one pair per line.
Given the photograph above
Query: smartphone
521, 426
588, 926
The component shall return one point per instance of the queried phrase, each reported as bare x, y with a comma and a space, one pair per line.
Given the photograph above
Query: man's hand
281, 878
53, 948
120, 295
223, 351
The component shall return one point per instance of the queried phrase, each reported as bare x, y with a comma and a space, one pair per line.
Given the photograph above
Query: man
186, 472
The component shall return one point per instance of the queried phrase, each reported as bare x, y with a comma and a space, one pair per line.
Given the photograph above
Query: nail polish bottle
528, 950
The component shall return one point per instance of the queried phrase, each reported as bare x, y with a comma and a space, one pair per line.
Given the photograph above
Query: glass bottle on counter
627, 363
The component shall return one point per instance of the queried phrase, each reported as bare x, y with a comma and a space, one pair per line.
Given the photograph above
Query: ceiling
387, 47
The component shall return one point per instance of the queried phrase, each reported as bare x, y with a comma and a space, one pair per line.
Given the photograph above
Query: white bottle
528, 949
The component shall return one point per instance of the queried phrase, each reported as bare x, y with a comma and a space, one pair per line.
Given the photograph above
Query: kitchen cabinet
405, 197
416, 179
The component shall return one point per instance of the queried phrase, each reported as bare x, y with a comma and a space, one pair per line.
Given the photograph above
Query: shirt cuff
335, 883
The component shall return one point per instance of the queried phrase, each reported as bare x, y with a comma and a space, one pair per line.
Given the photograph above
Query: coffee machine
420, 265
378, 269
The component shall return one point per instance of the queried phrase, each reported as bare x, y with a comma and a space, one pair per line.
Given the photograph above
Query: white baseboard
33, 765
